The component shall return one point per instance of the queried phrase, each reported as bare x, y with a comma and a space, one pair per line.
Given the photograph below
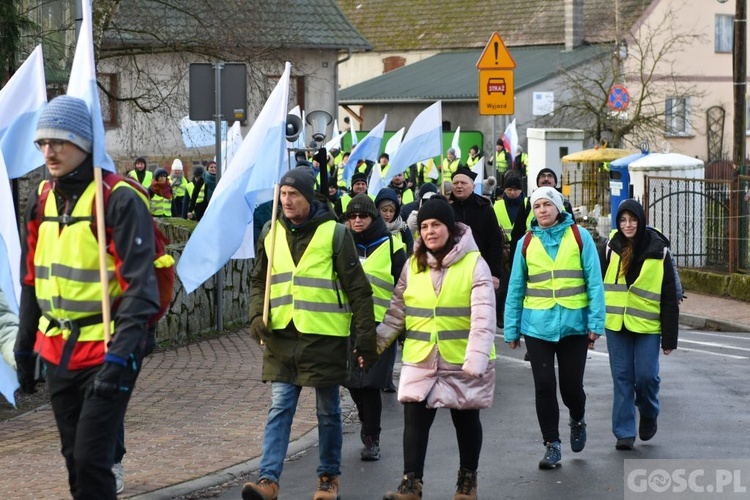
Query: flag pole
270, 252
102, 240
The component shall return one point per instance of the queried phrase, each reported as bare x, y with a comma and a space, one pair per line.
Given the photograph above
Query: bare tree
649, 75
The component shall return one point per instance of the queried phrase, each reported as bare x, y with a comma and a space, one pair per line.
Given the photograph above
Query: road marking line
714, 344
714, 334
733, 356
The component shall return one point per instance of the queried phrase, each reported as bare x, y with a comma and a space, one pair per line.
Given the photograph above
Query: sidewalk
198, 414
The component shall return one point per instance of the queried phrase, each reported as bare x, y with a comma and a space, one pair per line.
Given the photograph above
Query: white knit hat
548, 193
177, 164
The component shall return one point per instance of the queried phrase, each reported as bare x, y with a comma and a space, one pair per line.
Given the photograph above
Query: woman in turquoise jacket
556, 301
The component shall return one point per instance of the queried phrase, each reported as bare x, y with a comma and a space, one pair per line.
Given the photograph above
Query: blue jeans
284, 399
634, 361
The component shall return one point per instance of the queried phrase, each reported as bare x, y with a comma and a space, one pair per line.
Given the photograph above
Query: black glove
259, 330
108, 381
25, 368
369, 358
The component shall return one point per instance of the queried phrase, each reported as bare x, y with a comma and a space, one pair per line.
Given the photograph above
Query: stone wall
195, 313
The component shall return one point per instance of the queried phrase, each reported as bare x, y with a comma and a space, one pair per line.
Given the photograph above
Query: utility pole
740, 84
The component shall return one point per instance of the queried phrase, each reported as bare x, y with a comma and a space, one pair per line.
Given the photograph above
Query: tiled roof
453, 76
391, 25
259, 24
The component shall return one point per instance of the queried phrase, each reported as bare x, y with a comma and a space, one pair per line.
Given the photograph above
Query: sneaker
646, 428
577, 435
119, 477
625, 444
409, 489
552, 456
371, 452
263, 489
328, 488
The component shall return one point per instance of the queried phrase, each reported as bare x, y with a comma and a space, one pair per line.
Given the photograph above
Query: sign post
496, 88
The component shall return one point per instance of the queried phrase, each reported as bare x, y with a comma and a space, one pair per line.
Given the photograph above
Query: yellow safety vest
555, 282
67, 281
179, 191
501, 163
443, 319
146, 178
637, 306
501, 212
470, 162
160, 206
346, 198
309, 292
377, 268
450, 167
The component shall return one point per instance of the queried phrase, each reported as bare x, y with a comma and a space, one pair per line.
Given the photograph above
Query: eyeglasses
546, 175
56, 145
357, 216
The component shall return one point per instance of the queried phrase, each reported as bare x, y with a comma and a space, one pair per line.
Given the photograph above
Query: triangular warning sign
496, 55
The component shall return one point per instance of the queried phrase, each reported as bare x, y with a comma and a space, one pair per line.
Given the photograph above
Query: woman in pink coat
445, 303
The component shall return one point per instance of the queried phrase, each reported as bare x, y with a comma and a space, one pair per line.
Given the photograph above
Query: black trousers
417, 422
369, 407
571, 354
88, 427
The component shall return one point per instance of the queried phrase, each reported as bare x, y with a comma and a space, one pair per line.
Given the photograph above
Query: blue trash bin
619, 183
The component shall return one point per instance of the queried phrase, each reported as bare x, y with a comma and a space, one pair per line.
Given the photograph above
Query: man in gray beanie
89, 383
319, 295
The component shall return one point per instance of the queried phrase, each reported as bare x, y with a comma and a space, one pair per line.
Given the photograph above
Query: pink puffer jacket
440, 383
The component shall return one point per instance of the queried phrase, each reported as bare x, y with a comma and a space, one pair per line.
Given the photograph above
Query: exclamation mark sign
497, 47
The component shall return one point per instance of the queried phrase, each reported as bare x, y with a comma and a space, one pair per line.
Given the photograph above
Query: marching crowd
340, 280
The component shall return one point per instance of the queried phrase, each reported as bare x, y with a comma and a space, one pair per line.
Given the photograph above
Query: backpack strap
338, 239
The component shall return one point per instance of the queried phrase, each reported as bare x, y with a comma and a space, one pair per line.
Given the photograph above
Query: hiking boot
552, 456
466, 486
577, 434
328, 488
119, 477
625, 444
409, 489
371, 452
646, 428
263, 489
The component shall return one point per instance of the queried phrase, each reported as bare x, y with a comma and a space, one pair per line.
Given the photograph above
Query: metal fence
707, 220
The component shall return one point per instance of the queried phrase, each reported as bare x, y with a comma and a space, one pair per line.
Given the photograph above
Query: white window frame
677, 116
723, 33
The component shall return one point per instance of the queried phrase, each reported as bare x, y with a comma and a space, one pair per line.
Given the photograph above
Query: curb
226, 475
704, 323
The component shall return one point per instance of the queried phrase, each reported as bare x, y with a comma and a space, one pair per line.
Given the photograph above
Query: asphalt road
704, 398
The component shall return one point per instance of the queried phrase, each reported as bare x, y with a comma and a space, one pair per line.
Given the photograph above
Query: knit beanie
160, 172
546, 171
359, 177
362, 204
437, 207
512, 181
177, 165
427, 187
548, 193
66, 118
303, 180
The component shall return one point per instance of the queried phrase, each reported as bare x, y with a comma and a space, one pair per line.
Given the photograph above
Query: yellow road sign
496, 92
496, 55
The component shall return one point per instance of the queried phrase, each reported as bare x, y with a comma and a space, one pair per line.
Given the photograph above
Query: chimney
573, 24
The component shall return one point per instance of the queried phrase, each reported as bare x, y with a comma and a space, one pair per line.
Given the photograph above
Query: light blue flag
200, 134
82, 84
354, 137
21, 102
367, 149
10, 244
249, 180
423, 140
8, 382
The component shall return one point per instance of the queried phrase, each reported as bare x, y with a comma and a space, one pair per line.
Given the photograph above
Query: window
723, 33
678, 116
108, 102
